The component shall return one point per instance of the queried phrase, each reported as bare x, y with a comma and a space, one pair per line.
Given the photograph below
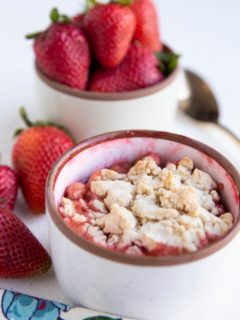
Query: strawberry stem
24, 116
38, 123
56, 17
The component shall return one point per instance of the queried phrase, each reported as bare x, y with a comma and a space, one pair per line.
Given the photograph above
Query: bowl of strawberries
106, 69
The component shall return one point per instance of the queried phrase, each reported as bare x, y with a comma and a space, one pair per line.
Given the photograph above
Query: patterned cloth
18, 306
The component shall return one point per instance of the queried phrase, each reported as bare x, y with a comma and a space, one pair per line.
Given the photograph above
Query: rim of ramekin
88, 95
116, 256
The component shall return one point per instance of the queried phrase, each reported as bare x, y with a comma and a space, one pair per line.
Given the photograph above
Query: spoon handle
229, 131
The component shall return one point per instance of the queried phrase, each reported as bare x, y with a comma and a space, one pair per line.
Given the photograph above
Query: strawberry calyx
123, 2
33, 35
55, 17
89, 4
38, 123
167, 61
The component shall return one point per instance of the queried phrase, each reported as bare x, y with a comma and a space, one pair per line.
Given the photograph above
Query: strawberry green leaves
167, 61
38, 123
56, 17
33, 35
123, 2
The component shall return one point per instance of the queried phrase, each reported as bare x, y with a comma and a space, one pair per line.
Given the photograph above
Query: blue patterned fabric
17, 306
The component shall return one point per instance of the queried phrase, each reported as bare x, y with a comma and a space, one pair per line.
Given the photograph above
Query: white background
206, 33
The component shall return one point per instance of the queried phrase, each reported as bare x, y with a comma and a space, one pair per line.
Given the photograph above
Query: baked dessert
147, 209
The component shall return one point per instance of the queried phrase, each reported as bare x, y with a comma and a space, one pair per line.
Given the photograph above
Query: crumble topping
148, 209
113, 192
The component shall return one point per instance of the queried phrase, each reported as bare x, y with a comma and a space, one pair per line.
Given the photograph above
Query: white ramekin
91, 113
149, 288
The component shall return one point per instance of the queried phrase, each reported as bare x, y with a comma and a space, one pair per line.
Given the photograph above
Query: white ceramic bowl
152, 288
91, 113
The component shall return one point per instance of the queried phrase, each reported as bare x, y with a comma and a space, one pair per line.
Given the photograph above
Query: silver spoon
202, 104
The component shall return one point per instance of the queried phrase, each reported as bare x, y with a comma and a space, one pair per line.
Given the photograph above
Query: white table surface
205, 33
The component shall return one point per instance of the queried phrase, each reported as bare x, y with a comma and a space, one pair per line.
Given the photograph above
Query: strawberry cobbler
146, 209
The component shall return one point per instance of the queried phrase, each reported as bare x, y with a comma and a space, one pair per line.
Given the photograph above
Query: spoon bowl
202, 104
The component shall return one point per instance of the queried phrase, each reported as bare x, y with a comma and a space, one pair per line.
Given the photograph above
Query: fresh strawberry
62, 52
147, 28
21, 254
8, 187
138, 70
35, 151
110, 28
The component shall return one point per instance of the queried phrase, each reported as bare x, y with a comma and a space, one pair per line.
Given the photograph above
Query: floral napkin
18, 306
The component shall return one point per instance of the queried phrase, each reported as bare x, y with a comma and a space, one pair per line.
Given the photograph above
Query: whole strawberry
138, 70
8, 187
110, 28
147, 27
35, 151
21, 254
62, 52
